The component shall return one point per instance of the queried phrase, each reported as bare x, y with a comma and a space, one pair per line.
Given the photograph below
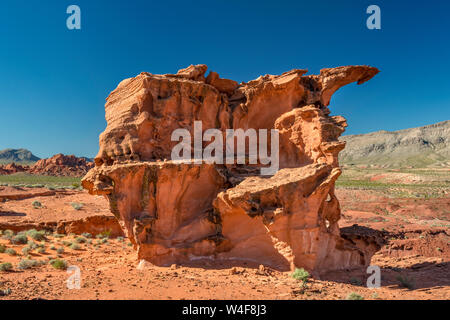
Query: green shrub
8, 234
57, 235
86, 235
76, 205
2, 248
6, 266
11, 252
27, 264
36, 204
52, 247
80, 240
19, 239
75, 246
67, 243
300, 274
354, 296
120, 239
60, 250
75, 185
33, 245
104, 234
26, 250
36, 235
58, 264
41, 251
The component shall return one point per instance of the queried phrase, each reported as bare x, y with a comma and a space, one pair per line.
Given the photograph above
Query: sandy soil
417, 248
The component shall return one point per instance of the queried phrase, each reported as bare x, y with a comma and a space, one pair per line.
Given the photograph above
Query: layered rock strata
178, 212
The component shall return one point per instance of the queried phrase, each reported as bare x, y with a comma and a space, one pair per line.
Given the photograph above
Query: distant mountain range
22, 156
427, 146
18, 156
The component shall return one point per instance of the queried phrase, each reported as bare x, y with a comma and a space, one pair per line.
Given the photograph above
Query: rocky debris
180, 212
61, 165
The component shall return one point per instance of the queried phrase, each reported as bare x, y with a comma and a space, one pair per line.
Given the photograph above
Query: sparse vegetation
36, 204
300, 274
354, 296
36, 235
2, 248
6, 266
31, 179
11, 252
60, 250
80, 239
27, 264
58, 264
20, 238
76, 205
75, 246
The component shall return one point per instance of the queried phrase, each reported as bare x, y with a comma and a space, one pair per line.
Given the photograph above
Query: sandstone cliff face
176, 212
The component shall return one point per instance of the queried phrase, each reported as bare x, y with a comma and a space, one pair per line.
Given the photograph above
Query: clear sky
54, 81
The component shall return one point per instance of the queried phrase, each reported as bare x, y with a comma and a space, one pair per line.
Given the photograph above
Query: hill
427, 146
18, 156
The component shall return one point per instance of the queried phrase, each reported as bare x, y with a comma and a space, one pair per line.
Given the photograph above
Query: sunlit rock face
179, 212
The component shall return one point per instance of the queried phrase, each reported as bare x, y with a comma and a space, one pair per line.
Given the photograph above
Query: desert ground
48, 224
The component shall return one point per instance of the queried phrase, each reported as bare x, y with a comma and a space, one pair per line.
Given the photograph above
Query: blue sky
54, 81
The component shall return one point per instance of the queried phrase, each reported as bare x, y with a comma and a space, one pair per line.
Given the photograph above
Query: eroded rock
178, 212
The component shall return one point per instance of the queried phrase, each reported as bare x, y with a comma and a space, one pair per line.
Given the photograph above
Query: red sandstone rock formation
12, 168
61, 165
174, 212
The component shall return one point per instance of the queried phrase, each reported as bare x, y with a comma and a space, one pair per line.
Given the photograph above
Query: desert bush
75, 246
58, 264
11, 252
354, 296
80, 240
406, 282
20, 238
300, 274
57, 235
33, 245
76, 205
26, 250
2, 248
27, 264
41, 250
7, 234
104, 234
6, 266
60, 250
36, 235
36, 204
121, 239
67, 243
52, 247
86, 235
